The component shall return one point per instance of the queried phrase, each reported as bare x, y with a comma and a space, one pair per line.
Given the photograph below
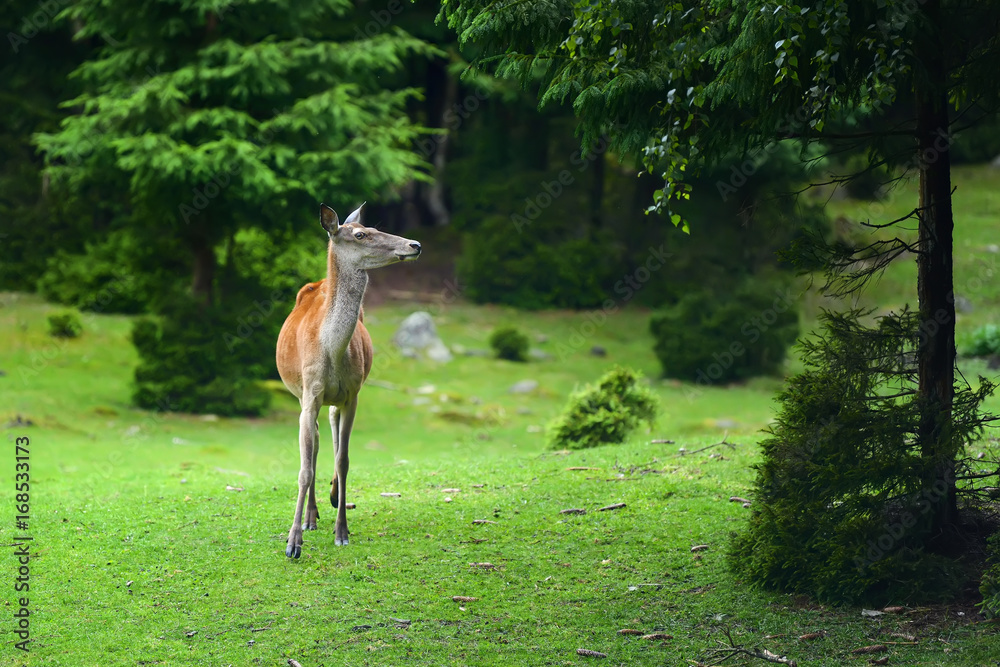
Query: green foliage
844, 496
106, 277
66, 324
985, 341
989, 586
207, 360
683, 83
605, 414
510, 343
500, 265
710, 337
980, 143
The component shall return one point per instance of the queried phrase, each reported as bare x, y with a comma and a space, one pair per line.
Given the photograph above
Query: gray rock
962, 304
726, 423
996, 162
539, 355
417, 332
523, 387
598, 351
438, 351
473, 352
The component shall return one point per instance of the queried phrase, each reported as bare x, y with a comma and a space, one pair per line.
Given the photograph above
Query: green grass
143, 557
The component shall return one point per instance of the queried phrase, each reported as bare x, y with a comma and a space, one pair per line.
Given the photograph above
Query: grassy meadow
159, 538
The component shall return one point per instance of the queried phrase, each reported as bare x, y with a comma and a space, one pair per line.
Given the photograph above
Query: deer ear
355, 216
328, 218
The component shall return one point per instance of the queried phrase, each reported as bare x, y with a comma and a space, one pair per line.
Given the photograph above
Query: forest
706, 300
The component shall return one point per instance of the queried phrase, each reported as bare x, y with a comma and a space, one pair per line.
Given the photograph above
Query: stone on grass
523, 387
417, 332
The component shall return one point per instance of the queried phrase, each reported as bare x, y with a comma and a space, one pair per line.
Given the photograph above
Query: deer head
364, 247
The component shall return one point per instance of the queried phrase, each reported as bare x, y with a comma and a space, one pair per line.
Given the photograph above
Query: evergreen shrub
202, 359
604, 414
100, 279
530, 268
65, 324
720, 337
985, 341
510, 343
989, 586
844, 497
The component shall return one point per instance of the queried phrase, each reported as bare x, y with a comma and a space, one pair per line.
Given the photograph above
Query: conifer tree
687, 83
209, 116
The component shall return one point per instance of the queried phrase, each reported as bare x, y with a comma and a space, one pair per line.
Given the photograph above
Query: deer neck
345, 291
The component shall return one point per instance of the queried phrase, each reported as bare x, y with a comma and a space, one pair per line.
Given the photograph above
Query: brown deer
324, 355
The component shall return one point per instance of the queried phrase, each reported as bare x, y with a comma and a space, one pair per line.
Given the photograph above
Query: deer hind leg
341, 463
312, 512
335, 429
307, 438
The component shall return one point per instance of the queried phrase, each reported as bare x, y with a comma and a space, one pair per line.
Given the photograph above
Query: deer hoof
293, 551
341, 542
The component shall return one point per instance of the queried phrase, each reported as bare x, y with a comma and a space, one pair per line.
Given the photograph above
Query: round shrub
985, 341
533, 267
710, 337
605, 414
510, 344
65, 324
206, 360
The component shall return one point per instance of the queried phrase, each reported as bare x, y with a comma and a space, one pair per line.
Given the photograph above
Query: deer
324, 355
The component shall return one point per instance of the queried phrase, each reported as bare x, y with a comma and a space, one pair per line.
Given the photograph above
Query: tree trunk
440, 108
935, 282
203, 275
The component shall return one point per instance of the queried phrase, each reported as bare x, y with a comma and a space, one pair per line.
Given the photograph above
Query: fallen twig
661, 441
581, 468
391, 494
613, 506
463, 598
573, 510
294, 663
479, 522
731, 445
763, 654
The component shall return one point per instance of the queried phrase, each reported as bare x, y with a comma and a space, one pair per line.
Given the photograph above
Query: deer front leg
346, 418
312, 512
307, 428
335, 429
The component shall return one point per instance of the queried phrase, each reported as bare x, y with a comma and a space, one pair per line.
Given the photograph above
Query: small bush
989, 586
206, 360
605, 414
65, 324
510, 344
532, 269
708, 337
984, 342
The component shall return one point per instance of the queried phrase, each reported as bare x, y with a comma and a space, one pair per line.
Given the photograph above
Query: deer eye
359, 235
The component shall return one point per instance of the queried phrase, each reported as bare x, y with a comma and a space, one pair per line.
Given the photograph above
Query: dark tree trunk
935, 283
440, 109
203, 275
597, 192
